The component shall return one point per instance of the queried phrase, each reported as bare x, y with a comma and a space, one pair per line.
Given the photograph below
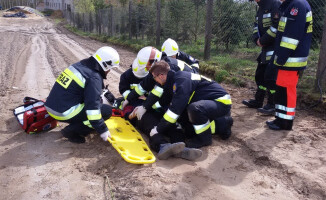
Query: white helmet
170, 47
107, 57
140, 71
147, 56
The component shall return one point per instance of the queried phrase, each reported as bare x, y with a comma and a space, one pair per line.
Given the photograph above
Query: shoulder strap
30, 99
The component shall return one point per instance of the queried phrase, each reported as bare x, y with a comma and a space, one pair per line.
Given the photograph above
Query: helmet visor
151, 59
108, 65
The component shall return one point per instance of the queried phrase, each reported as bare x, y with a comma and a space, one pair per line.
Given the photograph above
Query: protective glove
140, 111
118, 103
104, 100
153, 131
105, 135
107, 97
133, 114
124, 104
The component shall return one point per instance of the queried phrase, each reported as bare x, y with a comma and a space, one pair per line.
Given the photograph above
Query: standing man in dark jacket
265, 29
76, 96
292, 46
202, 99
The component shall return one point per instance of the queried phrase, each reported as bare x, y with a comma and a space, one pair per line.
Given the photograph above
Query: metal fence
6, 4
184, 21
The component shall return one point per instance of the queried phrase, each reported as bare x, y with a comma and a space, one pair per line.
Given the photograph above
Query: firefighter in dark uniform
203, 100
128, 81
76, 96
171, 49
264, 33
174, 144
148, 56
292, 46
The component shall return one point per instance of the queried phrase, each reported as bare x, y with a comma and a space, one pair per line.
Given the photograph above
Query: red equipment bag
33, 116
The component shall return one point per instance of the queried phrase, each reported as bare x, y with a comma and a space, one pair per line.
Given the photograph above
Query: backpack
33, 117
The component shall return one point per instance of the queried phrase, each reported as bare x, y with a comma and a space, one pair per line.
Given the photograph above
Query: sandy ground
255, 163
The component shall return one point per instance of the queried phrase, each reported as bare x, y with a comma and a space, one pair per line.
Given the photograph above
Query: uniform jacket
187, 88
128, 81
78, 88
294, 35
265, 28
148, 84
193, 62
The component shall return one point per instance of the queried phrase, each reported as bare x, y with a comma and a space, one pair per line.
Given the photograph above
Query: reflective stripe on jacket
128, 82
187, 88
148, 83
78, 88
265, 28
294, 35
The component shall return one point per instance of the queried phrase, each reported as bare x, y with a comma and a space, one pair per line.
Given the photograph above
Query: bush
221, 76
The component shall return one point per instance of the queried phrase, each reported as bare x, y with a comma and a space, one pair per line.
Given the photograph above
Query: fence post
158, 22
321, 70
111, 21
130, 18
208, 30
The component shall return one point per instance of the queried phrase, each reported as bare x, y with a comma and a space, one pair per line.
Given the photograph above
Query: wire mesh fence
6, 4
184, 21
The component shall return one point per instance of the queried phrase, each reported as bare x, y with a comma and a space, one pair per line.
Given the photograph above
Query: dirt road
255, 163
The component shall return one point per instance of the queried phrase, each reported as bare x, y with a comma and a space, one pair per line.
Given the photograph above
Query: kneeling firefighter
76, 96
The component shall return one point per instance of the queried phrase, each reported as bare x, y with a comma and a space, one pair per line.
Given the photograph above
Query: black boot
156, 140
258, 101
223, 126
167, 150
280, 124
269, 108
226, 133
72, 136
200, 140
189, 154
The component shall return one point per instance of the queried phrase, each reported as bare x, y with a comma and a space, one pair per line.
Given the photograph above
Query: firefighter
174, 145
202, 99
292, 46
265, 29
171, 49
129, 80
76, 96
148, 56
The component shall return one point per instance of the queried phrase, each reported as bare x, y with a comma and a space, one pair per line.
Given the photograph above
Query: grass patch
236, 67
77, 31
229, 69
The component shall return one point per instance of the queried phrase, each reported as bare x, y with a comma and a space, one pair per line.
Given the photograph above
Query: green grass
235, 67
133, 44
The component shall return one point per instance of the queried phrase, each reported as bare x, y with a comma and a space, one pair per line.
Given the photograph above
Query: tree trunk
111, 22
137, 23
130, 18
197, 22
158, 22
208, 29
321, 71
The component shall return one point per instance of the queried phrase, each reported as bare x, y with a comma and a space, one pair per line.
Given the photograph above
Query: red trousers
286, 94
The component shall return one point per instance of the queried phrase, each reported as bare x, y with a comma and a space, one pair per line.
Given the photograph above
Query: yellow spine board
128, 142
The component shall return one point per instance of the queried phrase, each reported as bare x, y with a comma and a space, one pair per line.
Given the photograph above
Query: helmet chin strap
105, 64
